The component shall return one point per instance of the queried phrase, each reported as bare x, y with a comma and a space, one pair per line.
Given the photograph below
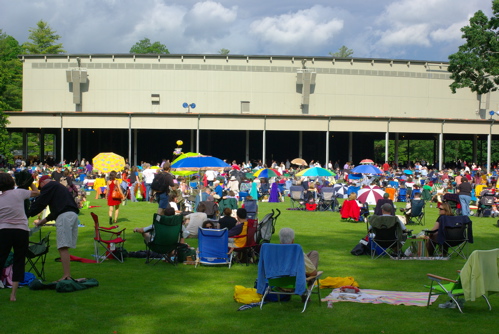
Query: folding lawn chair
115, 242
213, 247
454, 233
296, 194
386, 236
417, 212
479, 277
251, 206
248, 251
37, 255
165, 238
281, 271
327, 199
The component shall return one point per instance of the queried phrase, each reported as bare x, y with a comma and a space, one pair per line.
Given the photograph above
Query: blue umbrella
367, 169
408, 172
200, 163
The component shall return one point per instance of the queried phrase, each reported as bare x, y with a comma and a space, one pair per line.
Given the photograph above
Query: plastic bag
246, 295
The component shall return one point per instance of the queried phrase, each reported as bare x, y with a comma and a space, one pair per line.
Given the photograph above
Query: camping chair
417, 212
386, 236
327, 200
402, 196
281, 271
165, 238
454, 233
115, 242
454, 203
248, 251
251, 206
296, 196
37, 255
213, 246
350, 210
479, 277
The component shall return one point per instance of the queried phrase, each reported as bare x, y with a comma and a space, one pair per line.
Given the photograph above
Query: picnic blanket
380, 297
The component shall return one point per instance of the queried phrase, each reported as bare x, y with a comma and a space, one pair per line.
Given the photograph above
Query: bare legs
116, 209
66, 262
15, 285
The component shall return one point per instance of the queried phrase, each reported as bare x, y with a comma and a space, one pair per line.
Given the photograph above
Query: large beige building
246, 107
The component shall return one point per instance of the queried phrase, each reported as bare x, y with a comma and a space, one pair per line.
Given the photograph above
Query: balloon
179, 142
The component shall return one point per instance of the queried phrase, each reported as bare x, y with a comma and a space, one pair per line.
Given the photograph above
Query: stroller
487, 199
453, 201
266, 227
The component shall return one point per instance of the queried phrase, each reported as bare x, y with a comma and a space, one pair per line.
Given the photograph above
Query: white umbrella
370, 194
340, 190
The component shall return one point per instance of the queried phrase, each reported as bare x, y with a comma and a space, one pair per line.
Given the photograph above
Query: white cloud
416, 34
451, 33
209, 20
304, 28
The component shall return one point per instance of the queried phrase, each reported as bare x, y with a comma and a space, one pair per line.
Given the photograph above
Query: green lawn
137, 298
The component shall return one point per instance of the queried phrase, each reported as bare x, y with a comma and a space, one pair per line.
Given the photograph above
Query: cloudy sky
398, 29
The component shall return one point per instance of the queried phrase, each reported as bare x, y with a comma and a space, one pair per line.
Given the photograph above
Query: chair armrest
311, 278
440, 278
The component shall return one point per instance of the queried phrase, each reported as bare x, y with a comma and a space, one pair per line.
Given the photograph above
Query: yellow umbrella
107, 162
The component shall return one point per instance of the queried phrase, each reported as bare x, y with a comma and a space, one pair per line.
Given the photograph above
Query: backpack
159, 183
64, 181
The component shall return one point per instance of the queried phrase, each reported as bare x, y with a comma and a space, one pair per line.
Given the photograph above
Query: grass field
137, 298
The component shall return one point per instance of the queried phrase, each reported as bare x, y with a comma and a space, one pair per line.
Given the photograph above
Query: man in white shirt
148, 175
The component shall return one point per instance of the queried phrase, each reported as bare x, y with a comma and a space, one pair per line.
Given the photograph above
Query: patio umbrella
367, 162
408, 172
316, 171
340, 190
106, 162
367, 169
198, 163
186, 155
370, 194
266, 172
299, 161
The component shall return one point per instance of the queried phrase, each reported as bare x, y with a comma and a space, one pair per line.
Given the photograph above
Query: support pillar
475, 149
300, 144
350, 146
264, 141
396, 158
247, 144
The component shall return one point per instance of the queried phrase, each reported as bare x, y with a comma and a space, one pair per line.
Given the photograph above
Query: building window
245, 107
155, 99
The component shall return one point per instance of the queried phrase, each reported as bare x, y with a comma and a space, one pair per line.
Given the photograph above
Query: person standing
165, 181
64, 211
113, 203
464, 192
14, 230
148, 175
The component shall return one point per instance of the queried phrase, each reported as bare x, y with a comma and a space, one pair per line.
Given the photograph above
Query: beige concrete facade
259, 93
415, 95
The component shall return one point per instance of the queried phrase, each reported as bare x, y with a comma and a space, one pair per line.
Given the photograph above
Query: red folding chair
113, 245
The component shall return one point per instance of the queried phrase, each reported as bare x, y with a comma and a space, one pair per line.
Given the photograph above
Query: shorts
67, 229
163, 200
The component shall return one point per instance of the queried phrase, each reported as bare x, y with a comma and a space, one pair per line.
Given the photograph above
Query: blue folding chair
213, 246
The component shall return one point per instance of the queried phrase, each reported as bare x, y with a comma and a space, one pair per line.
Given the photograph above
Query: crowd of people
63, 189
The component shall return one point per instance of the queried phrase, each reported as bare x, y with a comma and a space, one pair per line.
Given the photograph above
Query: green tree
10, 88
224, 51
43, 40
476, 64
144, 46
343, 52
